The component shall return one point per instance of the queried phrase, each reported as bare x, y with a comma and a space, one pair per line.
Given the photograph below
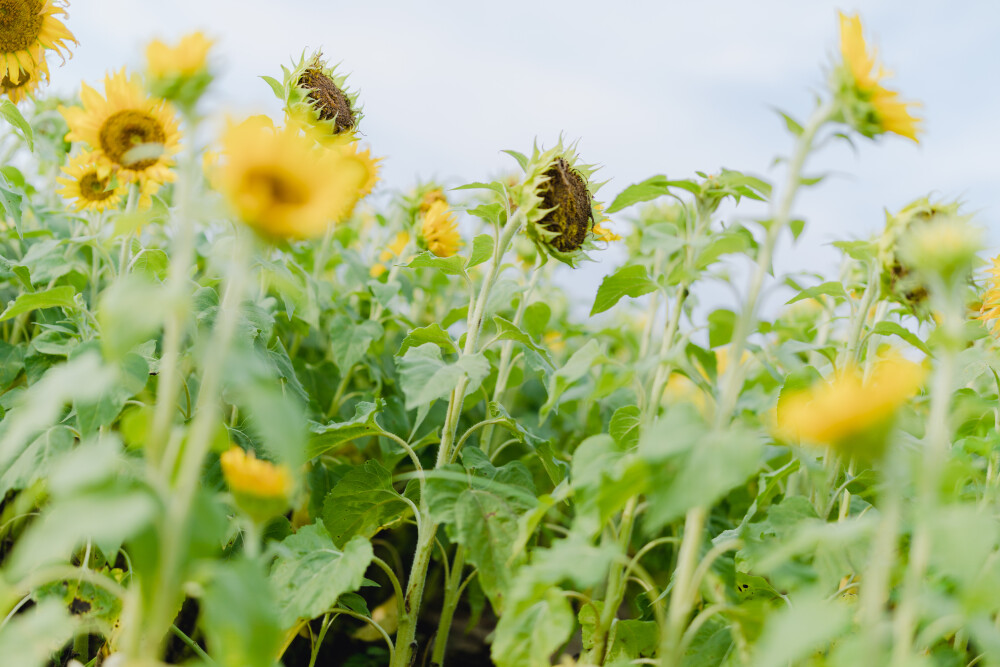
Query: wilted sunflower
284, 185
869, 107
556, 197
315, 94
439, 232
130, 131
89, 190
27, 28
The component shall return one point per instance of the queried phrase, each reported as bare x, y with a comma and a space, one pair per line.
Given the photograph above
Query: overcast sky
648, 87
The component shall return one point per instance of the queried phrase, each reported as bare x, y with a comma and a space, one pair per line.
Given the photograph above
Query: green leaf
362, 503
432, 333
239, 614
634, 639
795, 632
326, 437
793, 125
454, 265
13, 116
521, 158
61, 296
624, 426
576, 367
720, 327
424, 376
350, 340
527, 637
495, 410
507, 330
630, 280
487, 526
31, 639
482, 250
151, 262
34, 462
724, 243
894, 329
862, 251
536, 317
831, 288
276, 87
311, 572
651, 188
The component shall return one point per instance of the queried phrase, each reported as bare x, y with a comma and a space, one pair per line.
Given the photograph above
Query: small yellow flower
283, 184
27, 29
129, 131
90, 191
990, 310
260, 488
874, 108
395, 249
845, 412
186, 59
440, 231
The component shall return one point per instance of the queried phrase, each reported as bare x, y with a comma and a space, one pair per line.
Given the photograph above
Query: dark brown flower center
94, 188
20, 24
8, 84
127, 129
274, 187
566, 193
329, 100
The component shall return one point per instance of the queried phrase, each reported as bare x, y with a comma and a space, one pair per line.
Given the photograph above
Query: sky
652, 87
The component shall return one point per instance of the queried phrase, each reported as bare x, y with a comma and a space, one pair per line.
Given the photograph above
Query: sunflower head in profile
315, 94
89, 187
439, 231
130, 132
285, 186
27, 29
556, 197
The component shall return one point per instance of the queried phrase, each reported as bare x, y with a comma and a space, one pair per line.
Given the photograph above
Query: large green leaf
30, 639
362, 503
311, 572
575, 368
424, 376
630, 280
432, 333
528, 636
61, 296
487, 525
239, 615
350, 340
325, 437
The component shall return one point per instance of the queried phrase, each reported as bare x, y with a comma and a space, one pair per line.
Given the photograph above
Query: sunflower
25, 86
179, 73
130, 131
395, 249
260, 488
352, 150
91, 191
284, 185
315, 94
990, 309
439, 231
869, 107
27, 28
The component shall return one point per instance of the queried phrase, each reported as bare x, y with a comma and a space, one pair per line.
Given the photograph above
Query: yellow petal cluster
186, 59
835, 412
892, 114
85, 186
27, 29
990, 309
248, 475
131, 133
440, 231
395, 249
284, 185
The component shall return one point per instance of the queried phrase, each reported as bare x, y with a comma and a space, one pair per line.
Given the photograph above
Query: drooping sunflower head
27, 29
863, 102
315, 94
899, 277
439, 230
136, 134
180, 73
88, 186
285, 186
556, 198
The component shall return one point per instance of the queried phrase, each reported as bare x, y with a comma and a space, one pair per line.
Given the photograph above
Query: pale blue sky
647, 87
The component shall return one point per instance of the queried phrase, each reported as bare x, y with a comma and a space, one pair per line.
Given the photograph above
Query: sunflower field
253, 415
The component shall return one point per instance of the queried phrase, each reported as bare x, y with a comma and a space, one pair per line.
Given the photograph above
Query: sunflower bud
181, 73
315, 95
260, 488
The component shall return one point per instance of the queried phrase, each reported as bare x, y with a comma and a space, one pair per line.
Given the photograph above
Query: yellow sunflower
871, 107
90, 191
260, 488
27, 28
395, 249
129, 131
990, 309
284, 185
188, 58
439, 231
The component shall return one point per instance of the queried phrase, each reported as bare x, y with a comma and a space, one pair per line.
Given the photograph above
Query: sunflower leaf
630, 280
13, 116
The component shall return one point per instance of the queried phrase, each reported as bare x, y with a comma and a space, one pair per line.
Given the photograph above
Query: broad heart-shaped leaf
482, 250
651, 188
350, 340
528, 636
576, 367
454, 265
630, 280
685, 462
424, 376
324, 437
311, 572
61, 296
511, 482
362, 503
432, 333
487, 526
239, 614
30, 639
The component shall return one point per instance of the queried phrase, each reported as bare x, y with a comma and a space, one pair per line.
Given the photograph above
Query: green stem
452, 595
684, 591
617, 581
